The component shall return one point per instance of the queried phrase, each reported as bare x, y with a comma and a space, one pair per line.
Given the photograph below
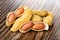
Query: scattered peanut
50, 14
36, 18
40, 12
10, 18
48, 20
38, 26
24, 19
27, 26
19, 11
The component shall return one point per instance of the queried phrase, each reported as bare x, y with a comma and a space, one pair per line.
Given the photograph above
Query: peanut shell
40, 12
10, 19
48, 19
36, 18
19, 11
26, 27
40, 26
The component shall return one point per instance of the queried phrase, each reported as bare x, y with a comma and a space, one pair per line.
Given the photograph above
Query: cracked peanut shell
40, 26
26, 27
20, 10
10, 19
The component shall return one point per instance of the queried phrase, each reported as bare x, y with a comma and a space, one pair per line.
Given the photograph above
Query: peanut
40, 12
36, 18
27, 26
19, 11
50, 14
38, 26
48, 19
11, 18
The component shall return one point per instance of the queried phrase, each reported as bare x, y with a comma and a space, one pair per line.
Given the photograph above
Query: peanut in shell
10, 19
37, 18
26, 27
48, 19
40, 26
40, 12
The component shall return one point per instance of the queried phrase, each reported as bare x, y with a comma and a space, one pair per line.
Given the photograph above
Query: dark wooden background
10, 5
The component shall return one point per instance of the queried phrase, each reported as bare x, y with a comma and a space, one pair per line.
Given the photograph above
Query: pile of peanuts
25, 19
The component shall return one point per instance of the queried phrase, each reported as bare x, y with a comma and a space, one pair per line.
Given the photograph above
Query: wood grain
10, 5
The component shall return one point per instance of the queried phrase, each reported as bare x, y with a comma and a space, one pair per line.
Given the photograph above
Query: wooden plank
10, 5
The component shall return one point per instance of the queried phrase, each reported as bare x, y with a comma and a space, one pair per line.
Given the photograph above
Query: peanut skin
19, 11
11, 18
38, 26
27, 26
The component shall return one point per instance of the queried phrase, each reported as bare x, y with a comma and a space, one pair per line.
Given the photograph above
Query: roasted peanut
40, 12
50, 14
10, 18
26, 27
48, 19
19, 11
26, 16
38, 26
36, 18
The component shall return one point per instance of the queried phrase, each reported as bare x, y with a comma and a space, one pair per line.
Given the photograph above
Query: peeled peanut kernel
27, 26
11, 17
19, 11
38, 26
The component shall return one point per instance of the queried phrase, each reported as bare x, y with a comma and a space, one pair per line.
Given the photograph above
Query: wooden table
10, 5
